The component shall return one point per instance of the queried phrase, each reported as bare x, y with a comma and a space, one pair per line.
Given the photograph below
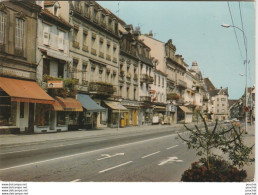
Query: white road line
37, 149
172, 147
83, 153
151, 154
76, 180
115, 167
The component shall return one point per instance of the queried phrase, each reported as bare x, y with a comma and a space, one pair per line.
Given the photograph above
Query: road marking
151, 154
76, 180
172, 147
37, 149
115, 167
83, 153
170, 159
110, 156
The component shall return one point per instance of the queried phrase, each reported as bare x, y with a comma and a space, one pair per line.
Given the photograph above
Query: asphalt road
156, 156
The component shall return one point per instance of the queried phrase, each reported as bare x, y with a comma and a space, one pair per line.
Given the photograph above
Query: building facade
20, 94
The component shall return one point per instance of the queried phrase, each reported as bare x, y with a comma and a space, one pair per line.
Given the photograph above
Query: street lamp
245, 42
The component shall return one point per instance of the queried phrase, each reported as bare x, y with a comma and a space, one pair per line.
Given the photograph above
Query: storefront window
61, 118
73, 118
8, 110
42, 115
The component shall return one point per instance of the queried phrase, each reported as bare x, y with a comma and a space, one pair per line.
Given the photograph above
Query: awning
67, 104
116, 106
25, 91
185, 109
89, 104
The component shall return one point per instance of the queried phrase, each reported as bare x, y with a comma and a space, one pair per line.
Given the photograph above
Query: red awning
67, 104
25, 91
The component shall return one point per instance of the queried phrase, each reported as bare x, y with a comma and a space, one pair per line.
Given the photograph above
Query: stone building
94, 49
53, 64
19, 93
219, 98
163, 108
129, 75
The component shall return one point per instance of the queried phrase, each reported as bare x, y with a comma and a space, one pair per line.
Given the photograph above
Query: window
100, 75
19, 33
217, 99
61, 40
128, 92
46, 35
102, 19
75, 34
60, 70
217, 104
155, 78
162, 82
134, 94
84, 67
223, 99
21, 109
55, 11
85, 38
217, 110
121, 89
93, 41
108, 48
159, 80
92, 71
223, 104
114, 51
61, 118
2, 27
46, 67
75, 63
223, 110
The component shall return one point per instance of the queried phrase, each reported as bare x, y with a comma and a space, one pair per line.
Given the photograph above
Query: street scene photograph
127, 91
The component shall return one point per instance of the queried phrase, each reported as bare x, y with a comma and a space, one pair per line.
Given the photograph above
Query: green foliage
214, 170
229, 141
69, 89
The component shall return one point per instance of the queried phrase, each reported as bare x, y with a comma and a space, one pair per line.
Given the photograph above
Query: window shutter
46, 35
61, 40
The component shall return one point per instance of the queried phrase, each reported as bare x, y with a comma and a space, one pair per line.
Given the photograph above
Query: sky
195, 30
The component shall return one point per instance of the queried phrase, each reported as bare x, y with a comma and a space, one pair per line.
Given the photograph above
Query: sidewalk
9, 139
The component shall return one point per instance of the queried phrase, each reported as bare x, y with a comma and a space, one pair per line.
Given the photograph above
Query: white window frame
19, 33
46, 34
61, 36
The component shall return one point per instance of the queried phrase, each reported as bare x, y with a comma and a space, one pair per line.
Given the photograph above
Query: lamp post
246, 88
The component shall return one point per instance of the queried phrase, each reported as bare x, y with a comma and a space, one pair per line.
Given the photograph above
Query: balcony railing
101, 88
85, 48
144, 78
93, 52
101, 54
108, 57
182, 83
150, 80
145, 98
76, 44
172, 96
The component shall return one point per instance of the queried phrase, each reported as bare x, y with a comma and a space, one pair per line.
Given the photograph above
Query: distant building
219, 99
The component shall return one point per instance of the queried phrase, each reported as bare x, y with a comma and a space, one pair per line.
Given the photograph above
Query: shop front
159, 114
184, 114
131, 117
146, 115
18, 102
116, 114
171, 114
90, 116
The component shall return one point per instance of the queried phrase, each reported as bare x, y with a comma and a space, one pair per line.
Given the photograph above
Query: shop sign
55, 84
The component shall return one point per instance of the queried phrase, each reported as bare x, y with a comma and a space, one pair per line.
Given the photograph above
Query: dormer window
55, 11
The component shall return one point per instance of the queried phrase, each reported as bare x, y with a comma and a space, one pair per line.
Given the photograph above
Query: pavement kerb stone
61, 136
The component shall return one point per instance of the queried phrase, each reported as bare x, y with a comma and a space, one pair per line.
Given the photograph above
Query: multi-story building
53, 64
129, 74
146, 68
19, 93
94, 49
164, 109
219, 99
